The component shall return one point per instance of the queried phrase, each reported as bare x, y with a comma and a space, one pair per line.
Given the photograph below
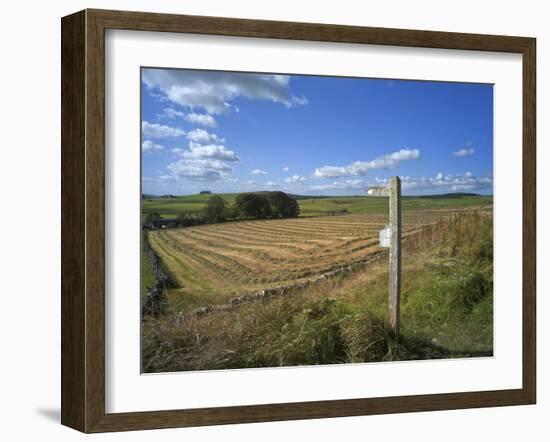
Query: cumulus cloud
286, 169
464, 152
258, 172
155, 130
172, 113
359, 168
215, 151
340, 185
203, 162
192, 117
201, 119
213, 91
200, 169
465, 182
203, 136
148, 180
149, 146
271, 184
295, 179
160, 180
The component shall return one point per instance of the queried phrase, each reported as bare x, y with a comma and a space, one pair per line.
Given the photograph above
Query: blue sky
312, 135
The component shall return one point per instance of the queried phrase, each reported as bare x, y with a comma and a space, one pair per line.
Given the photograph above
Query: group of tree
218, 210
283, 206
251, 206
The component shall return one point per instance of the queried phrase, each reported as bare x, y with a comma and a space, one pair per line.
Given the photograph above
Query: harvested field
447, 301
214, 263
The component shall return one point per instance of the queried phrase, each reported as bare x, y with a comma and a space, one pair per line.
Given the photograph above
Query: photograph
265, 220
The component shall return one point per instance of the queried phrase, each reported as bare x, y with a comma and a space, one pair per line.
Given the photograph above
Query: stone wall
155, 299
274, 292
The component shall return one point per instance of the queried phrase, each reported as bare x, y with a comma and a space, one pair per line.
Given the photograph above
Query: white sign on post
385, 237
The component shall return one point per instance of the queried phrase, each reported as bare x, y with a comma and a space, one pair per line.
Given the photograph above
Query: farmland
170, 207
447, 300
216, 262
314, 318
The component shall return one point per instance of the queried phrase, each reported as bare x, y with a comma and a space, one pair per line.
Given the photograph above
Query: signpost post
393, 191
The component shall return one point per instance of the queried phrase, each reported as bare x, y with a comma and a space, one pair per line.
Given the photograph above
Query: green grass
171, 207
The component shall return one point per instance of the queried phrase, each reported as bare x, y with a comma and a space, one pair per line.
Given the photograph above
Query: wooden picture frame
83, 220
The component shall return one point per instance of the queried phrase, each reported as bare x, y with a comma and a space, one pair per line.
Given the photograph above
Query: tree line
246, 206
251, 206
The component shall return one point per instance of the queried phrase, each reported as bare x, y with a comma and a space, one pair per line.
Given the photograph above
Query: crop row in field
213, 263
446, 305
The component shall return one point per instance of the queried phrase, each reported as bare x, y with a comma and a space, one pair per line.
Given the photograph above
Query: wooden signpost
393, 191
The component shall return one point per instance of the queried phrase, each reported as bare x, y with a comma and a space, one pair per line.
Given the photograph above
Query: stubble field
212, 264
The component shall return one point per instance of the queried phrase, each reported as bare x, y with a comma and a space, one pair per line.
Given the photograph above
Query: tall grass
446, 312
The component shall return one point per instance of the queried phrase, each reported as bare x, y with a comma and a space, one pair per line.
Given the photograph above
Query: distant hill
150, 196
208, 193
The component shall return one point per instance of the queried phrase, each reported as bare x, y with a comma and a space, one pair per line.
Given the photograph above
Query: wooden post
395, 253
393, 191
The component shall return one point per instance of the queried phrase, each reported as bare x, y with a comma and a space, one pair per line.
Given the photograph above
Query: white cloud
148, 180
203, 136
213, 91
340, 185
271, 184
466, 182
286, 168
439, 183
172, 113
149, 146
258, 172
155, 130
214, 151
160, 180
201, 169
295, 179
301, 100
360, 168
464, 152
201, 119
165, 179
203, 162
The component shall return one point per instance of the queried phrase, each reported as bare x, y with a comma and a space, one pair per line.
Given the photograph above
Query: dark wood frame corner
83, 216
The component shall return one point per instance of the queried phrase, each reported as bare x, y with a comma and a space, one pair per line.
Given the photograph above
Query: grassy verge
447, 311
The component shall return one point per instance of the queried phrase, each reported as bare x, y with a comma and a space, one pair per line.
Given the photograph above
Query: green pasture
312, 206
